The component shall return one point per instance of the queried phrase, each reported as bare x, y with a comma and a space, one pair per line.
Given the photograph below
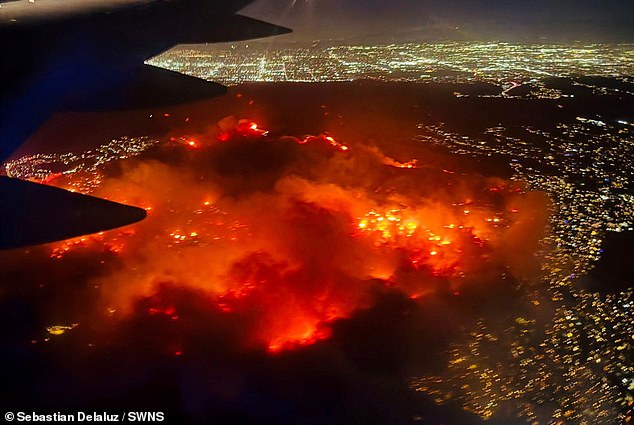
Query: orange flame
297, 257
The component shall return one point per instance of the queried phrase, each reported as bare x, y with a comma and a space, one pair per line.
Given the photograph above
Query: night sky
511, 20
421, 20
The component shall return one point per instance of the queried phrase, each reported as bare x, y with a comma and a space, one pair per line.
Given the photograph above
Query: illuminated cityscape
565, 356
456, 62
576, 369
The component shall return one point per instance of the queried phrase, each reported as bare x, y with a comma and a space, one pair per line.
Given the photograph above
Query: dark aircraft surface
88, 55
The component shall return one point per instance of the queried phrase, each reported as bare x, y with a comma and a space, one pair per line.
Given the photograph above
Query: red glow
302, 334
168, 311
246, 128
112, 242
298, 257
187, 141
242, 128
49, 178
251, 129
397, 164
334, 143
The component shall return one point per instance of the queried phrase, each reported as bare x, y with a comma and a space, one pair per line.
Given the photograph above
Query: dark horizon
512, 21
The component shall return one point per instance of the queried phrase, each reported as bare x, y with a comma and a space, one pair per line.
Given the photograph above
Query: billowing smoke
262, 242
295, 232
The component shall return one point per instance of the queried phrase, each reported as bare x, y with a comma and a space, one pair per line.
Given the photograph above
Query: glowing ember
393, 163
422, 239
243, 128
57, 330
112, 242
302, 334
186, 141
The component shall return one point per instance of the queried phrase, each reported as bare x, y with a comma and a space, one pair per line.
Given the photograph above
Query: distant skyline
510, 20
456, 62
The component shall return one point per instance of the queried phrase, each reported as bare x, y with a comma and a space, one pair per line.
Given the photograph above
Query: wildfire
111, 242
190, 142
296, 255
397, 164
242, 128
428, 246
334, 143
302, 333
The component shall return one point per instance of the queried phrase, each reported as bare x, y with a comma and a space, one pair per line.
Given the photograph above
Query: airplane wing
146, 88
34, 213
88, 55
